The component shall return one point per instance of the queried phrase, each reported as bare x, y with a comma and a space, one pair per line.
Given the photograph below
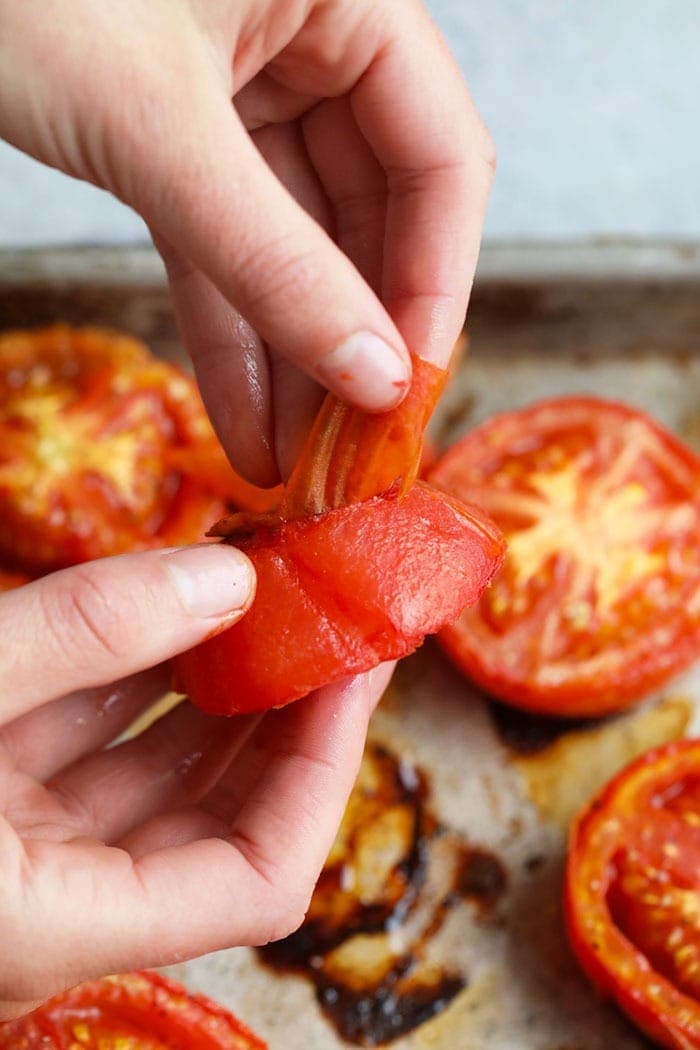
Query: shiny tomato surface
137, 1011
94, 435
341, 592
598, 601
633, 893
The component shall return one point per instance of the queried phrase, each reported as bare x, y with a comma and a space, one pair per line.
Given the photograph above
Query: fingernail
212, 580
367, 372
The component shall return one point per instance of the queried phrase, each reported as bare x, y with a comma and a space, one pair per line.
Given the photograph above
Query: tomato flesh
598, 601
91, 428
137, 1011
339, 593
633, 893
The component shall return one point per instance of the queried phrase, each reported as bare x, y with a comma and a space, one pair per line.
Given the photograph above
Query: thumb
98, 622
211, 195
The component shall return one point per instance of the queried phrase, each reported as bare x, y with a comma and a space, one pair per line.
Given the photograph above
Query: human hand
198, 834
357, 108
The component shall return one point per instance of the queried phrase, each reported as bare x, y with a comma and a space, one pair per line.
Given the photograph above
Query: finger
218, 809
415, 112
99, 622
172, 763
231, 366
262, 443
177, 827
296, 397
252, 887
53, 736
262, 777
296, 400
227, 213
354, 181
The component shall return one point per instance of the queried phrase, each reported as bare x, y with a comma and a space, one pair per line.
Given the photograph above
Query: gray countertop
593, 107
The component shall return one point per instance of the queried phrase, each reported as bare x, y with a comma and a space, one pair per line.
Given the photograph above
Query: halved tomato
137, 1011
103, 449
632, 894
598, 601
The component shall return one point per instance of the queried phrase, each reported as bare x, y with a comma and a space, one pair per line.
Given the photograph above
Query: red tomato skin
584, 698
152, 1007
468, 641
340, 593
615, 966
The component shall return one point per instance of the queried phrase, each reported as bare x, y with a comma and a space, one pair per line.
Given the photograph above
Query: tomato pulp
598, 601
632, 894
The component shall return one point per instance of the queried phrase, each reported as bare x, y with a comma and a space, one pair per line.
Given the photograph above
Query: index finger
414, 109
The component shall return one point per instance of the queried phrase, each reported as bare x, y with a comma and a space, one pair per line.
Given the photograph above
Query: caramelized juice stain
564, 763
392, 877
526, 733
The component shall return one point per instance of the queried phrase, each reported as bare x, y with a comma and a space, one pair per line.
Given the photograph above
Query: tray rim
523, 261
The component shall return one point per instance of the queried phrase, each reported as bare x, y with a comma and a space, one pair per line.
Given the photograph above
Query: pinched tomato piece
354, 566
137, 1011
103, 449
598, 601
340, 592
633, 893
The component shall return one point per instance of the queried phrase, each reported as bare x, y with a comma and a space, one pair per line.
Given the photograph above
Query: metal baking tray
620, 320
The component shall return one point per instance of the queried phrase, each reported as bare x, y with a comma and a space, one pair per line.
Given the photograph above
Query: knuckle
276, 272
78, 816
487, 149
80, 618
286, 913
287, 889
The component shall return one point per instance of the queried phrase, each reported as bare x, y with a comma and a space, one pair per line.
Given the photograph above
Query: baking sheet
612, 320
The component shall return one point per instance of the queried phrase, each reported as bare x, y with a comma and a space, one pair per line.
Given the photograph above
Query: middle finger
51, 737
173, 762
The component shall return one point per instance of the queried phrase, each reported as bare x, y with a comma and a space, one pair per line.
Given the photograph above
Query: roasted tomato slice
598, 601
633, 893
95, 436
138, 1011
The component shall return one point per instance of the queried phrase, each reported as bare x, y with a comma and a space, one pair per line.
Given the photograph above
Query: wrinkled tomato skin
639, 821
340, 593
619, 651
143, 1010
99, 448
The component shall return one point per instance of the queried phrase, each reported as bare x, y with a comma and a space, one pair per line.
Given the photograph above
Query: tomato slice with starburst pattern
632, 894
137, 1011
598, 601
103, 449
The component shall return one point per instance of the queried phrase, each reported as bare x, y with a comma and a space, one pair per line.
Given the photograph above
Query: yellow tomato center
606, 534
59, 444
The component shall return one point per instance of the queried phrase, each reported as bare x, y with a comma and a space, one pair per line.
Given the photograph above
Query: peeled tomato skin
340, 593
